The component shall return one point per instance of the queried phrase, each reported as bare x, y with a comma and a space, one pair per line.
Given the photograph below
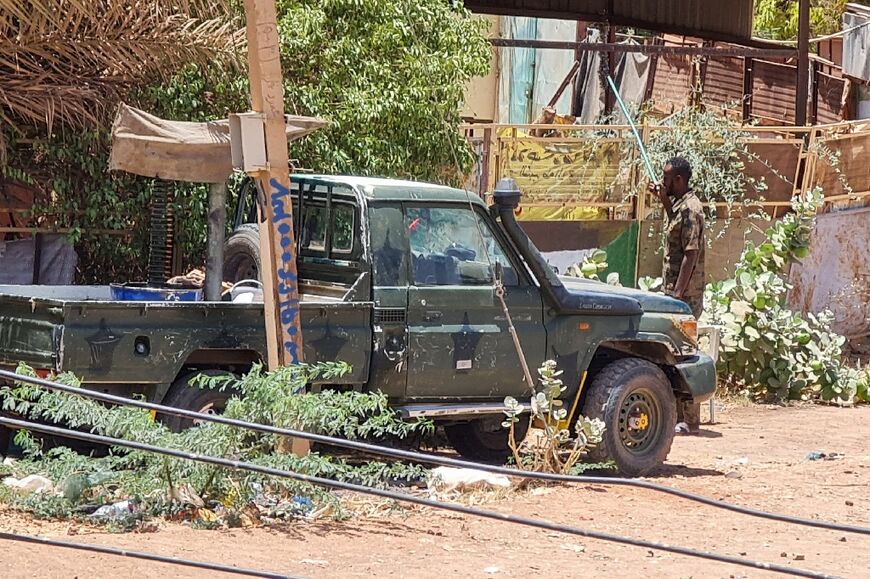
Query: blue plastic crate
136, 292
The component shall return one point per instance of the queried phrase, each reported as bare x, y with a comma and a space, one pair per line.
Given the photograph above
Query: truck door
389, 259
459, 342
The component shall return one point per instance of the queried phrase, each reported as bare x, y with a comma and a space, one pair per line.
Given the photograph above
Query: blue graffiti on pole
287, 279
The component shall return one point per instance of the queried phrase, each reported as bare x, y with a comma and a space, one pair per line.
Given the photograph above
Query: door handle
431, 316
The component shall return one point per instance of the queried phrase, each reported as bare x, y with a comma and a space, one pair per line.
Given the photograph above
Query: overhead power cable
433, 459
402, 497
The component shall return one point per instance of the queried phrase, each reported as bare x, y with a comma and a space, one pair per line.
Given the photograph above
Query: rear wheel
242, 254
205, 400
634, 399
5, 438
485, 439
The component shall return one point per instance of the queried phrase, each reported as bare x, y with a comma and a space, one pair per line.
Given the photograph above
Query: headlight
688, 327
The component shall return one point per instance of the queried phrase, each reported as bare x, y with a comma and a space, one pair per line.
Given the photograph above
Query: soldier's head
678, 173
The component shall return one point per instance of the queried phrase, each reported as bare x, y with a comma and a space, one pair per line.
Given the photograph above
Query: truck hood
651, 302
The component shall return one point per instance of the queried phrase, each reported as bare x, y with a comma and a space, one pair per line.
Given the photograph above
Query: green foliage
718, 151
556, 449
162, 485
649, 284
76, 193
591, 266
767, 348
778, 19
388, 75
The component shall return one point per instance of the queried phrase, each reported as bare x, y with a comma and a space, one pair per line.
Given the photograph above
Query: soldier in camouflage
683, 263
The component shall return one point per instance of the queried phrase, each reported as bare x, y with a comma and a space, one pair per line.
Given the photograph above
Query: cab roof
379, 189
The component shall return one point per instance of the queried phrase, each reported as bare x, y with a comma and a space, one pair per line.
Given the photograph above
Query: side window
497, 254
389, 253
314, 228
342, 228
446, 247
326, 225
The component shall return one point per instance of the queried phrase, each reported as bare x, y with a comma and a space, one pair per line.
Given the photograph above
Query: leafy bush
590, 267
718, 150
778, 19
553, 448
766, 348
164, 485
388, 75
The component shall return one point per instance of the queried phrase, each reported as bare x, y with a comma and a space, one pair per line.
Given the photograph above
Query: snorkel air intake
506, 198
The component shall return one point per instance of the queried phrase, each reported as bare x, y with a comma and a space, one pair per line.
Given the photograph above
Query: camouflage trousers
690, 413
695, 303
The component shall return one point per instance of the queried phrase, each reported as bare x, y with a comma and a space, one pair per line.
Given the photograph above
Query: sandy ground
754, 456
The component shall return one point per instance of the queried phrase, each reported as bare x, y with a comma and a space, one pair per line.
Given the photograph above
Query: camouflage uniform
685, 231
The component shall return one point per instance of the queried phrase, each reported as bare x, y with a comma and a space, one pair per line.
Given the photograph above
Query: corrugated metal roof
712, 19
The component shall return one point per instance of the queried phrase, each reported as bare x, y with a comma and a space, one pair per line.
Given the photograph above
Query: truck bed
82, 330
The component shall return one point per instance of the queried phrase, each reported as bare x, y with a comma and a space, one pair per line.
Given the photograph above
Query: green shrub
767, 348
164, 485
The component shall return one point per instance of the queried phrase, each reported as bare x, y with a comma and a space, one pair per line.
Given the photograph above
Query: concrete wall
481, 94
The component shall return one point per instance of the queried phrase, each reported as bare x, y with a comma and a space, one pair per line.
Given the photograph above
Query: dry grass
71, 60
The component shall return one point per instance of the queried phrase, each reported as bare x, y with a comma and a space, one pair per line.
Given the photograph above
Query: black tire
207, 400
5, 439
635, 400
485, 439
242, 254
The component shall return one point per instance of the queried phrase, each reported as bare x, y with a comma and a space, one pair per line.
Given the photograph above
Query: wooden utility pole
277, 237
803, 63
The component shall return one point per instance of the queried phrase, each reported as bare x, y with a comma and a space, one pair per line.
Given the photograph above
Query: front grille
389, 315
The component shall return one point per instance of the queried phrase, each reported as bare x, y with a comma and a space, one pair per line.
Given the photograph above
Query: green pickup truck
397, 279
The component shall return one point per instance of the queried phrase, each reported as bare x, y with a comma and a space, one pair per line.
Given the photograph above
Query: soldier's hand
656, 189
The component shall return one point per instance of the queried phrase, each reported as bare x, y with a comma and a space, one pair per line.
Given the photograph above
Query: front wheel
485, 439
634, 399
188, 397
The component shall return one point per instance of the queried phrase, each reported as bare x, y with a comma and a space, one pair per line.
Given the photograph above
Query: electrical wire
141, 555
433, 459
402, 497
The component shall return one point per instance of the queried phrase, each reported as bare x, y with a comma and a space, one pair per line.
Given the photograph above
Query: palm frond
71, 59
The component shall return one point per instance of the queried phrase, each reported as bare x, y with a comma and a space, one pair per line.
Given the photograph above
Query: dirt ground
753, 456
